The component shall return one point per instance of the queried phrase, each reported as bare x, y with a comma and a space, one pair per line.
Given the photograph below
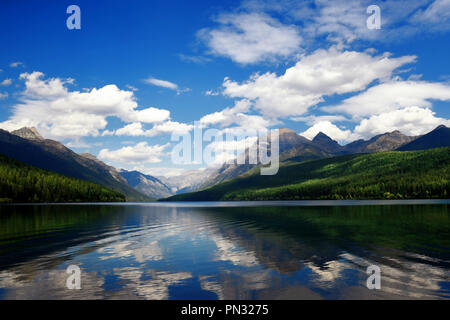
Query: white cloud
324, 72
330, 130
168, 127
59, 113
162, 83
3, 95
390, 96
194, 59
225, 150
137, 154
311, 120
132, 129
236, 115
16, 64
6, 82
411, 121
132, 88
166, 84
345, 21
211, 93
251, 37
436, 16
150, 115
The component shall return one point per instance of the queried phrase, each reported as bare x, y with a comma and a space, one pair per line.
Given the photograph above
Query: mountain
290, 145
54, 156
383, 175
20, 182
439, 137
28, 133
146, 184
380, 143
106, 168
189, 181
327, 144
294, 147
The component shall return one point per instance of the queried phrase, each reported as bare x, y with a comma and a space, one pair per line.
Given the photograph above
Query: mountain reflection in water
218, 252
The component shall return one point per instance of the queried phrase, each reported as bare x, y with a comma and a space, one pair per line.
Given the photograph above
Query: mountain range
29, 147
422, 174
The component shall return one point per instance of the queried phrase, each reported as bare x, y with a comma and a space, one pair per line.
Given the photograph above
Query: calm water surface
276, 250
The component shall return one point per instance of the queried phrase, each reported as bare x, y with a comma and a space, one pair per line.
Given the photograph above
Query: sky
136, 72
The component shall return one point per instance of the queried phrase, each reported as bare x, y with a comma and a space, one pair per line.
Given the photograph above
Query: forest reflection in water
217, 252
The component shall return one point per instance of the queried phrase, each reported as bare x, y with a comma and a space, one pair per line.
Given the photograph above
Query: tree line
23, 183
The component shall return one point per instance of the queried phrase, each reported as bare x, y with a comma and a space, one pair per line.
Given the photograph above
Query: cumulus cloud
168, 127
412, 121
249, 38
331, 130
227, 150
312, 119
324, 72
139, 153
3, 95
59, 113
6, 82
236, 115
150, 115
132, 129
391, 96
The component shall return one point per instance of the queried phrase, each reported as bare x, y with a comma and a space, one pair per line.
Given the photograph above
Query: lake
250, 250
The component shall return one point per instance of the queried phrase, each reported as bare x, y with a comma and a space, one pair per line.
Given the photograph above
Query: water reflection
170, 252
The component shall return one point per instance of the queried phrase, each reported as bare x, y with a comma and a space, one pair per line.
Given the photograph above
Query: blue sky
137, 71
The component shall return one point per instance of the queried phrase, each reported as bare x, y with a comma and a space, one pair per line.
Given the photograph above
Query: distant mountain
327, 144
189, 181
384, 175
146, 184
439, 137
294, 147
288, 139
54, 156
380, 143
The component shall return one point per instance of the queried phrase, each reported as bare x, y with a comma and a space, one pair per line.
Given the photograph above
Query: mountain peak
442, 126
326, 143
439, 137
28, 133
321, 136
286, 130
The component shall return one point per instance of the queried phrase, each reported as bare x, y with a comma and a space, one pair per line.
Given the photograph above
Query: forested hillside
386, 175
23, 183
